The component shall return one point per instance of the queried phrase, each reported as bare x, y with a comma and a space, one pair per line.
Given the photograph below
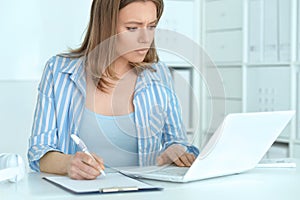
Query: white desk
267, 184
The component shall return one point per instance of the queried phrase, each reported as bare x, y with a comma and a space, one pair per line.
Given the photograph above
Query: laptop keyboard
171, 171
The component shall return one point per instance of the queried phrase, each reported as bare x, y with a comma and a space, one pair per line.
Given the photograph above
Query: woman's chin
136, 59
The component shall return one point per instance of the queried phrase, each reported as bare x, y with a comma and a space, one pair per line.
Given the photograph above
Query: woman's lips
142, 51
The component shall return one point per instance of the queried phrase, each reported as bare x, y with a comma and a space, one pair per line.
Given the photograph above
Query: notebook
238, 145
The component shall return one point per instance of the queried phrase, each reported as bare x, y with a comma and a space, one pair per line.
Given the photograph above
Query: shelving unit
255, 45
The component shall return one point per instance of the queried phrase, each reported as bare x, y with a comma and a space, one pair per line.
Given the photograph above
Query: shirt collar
76, 70
146, 78
77, 73
73, 66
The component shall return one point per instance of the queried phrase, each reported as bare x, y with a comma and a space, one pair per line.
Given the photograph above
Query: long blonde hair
101, 28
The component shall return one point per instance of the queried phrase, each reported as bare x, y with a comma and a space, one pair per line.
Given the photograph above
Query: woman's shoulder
60, 62
160, 67
162, 71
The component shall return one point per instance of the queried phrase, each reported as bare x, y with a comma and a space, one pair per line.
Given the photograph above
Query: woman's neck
121, 67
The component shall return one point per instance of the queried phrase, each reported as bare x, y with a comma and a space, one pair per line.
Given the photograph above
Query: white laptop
237, 146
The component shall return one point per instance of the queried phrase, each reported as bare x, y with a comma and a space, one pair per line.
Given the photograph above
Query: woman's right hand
81, 166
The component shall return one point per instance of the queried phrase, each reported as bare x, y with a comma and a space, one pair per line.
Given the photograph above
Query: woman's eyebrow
139, 23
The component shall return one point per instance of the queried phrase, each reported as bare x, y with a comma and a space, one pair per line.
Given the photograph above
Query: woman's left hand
176, 154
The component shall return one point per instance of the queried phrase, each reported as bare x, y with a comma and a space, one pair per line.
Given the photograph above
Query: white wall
17, 104
34, 30
31, 32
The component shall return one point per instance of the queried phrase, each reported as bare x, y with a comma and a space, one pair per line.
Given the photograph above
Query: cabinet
222, 46
221, 15
255, 45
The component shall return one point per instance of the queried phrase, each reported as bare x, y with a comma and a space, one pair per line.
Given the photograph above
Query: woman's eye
151, 27
131, 29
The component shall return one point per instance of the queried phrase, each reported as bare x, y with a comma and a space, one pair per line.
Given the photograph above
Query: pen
84, 148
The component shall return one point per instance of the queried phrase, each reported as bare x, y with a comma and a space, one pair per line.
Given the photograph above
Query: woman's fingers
170, 155
83, 175
176, 154
184, 161
83, 166
99, 161
191, 157
187, 159
179, 163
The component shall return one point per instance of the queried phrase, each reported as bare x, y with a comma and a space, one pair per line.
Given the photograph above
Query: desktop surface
259, 183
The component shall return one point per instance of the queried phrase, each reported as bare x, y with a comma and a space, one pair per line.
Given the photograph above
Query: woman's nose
145, 35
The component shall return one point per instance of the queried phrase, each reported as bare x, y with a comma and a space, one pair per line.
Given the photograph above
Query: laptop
238, 145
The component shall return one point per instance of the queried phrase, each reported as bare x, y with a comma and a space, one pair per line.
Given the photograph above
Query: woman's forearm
55, 162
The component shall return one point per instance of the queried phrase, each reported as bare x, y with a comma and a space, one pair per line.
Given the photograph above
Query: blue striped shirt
61, 102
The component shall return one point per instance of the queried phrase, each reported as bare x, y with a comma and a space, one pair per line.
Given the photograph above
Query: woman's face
136, 26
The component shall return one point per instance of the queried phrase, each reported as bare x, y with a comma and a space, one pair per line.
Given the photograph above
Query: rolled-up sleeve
174, 130
44, 131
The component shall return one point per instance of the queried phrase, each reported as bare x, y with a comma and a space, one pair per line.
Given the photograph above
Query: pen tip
102, 172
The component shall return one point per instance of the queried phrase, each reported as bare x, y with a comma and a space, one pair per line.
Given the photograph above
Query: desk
259, 183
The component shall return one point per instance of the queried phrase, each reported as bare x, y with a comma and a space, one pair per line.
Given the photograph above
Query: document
284, 30
271, 31
111, 183
255, 31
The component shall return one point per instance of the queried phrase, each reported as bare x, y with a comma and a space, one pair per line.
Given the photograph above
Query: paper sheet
101, 184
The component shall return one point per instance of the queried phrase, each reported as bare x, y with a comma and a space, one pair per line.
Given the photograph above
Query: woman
114, 80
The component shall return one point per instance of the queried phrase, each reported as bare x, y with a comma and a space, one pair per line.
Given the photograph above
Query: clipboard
111, 183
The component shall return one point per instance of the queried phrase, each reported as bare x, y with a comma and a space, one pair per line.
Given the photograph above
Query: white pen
84, 148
